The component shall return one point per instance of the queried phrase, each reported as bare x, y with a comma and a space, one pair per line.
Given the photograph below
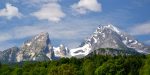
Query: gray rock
9, 55
110, 37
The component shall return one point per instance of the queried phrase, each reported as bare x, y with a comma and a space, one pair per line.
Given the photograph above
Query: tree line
91, 65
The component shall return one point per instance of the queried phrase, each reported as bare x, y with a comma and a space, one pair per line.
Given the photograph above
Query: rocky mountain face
9, 55
131, 42
35, 48
106, 40
61, 51
109, 37
113, 52
38, 48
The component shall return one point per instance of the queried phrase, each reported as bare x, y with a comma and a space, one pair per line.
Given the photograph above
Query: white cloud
10, 11
51, 12
141, 29
83, 6
57, 32
69, 33
5, 37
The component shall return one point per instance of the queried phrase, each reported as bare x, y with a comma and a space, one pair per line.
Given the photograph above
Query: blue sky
69, 22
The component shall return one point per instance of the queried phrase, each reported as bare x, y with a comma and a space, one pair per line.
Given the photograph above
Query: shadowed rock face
113, 52
9, 55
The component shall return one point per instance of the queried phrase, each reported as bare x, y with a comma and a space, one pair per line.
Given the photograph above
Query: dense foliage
93, 65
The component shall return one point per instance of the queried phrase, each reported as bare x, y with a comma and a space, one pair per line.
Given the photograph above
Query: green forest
91, 65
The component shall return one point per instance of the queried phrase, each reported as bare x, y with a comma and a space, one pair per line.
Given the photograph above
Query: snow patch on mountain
108, 36
85, 50
110, 26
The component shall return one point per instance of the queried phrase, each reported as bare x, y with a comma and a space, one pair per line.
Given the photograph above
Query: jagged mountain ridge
9, 55
109, 37
39, 48
35, 48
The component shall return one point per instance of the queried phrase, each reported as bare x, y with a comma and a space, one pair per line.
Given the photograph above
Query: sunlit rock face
39, 48
110, 36
35, 47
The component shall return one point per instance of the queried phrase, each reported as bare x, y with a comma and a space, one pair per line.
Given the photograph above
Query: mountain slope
38, 48
34, 48
106, 40
109, 37
9, 55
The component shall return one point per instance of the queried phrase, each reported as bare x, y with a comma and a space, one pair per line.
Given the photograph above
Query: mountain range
106, 40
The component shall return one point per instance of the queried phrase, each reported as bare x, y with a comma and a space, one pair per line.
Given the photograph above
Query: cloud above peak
10, 11
141, 29
51, 12
83, 6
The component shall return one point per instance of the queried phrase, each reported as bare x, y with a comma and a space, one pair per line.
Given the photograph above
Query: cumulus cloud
51, 12
83, 6
47, 9
10, 11
141, 29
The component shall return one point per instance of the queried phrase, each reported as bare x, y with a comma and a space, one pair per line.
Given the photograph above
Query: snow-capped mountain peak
110, 26
61, 51
108, 36
42, 37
